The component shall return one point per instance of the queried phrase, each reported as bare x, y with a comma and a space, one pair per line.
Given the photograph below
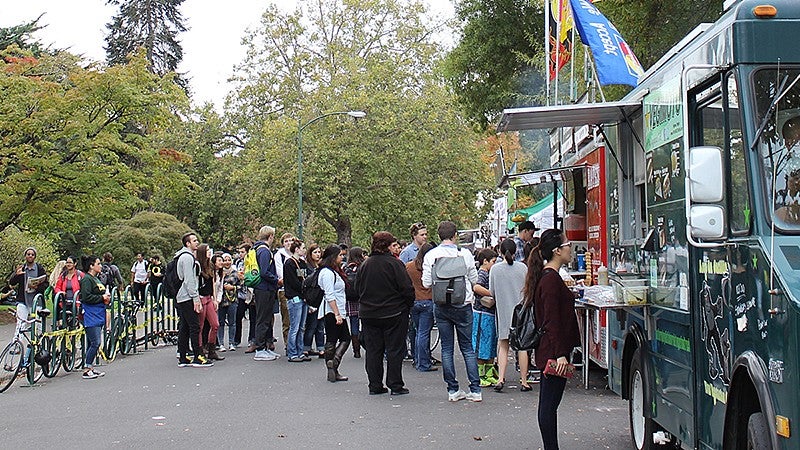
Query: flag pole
558, 56
547, 50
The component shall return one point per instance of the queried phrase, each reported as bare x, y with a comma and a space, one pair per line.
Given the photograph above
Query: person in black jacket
27, 292
385, 296
294, 272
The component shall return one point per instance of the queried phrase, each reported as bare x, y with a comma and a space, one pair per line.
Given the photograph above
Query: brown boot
211, 351
337, 359
356, 347
330, 348
251, 348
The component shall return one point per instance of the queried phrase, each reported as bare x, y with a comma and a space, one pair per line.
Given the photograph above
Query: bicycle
434, 339
27, 350
68, 338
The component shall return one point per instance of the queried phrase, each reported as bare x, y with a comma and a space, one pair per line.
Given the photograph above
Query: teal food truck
701, 181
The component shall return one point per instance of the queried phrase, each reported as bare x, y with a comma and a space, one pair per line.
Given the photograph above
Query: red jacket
61, 284
554, 306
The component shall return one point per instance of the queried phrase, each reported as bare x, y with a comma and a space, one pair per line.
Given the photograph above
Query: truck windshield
779, 142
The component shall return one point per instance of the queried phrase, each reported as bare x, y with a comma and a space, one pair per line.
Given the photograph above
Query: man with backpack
264, 295
450, 272
187, 301
110, 275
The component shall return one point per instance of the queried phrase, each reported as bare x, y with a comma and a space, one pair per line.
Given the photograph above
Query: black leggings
335, 333
551, 390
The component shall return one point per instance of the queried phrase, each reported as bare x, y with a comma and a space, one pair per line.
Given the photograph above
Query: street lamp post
300, 128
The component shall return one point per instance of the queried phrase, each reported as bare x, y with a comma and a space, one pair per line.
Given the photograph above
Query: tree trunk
344, 231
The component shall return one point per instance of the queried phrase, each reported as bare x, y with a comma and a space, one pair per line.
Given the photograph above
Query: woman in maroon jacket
554, 306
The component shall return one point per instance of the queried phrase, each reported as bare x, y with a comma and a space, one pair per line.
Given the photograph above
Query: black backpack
172, 282
106, 275
312, 292
524, 334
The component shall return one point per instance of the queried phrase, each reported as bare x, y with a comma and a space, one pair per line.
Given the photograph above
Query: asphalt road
146, 401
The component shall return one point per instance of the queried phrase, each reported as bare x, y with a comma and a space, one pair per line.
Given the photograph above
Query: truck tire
642, 428
757, 432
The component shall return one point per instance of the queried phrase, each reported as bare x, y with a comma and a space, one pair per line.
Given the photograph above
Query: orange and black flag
560, 25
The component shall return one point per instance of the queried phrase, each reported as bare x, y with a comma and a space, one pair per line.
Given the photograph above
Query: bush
13, 243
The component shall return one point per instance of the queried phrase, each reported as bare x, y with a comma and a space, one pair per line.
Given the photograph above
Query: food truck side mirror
649, 244
707, 222
706, 174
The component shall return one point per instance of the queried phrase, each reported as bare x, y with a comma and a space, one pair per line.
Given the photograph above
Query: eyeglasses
565, 244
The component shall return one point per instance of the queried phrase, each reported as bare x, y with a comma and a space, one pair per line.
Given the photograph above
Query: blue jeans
315, 331
422, 316
94, 336
227, 315
297, 320
457, 322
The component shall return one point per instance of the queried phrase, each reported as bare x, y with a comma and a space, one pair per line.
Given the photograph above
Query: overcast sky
211, 46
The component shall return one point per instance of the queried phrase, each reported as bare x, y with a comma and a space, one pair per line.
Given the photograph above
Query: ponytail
548, 243
508, 248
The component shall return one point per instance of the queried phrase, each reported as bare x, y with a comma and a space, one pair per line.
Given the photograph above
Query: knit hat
30, 249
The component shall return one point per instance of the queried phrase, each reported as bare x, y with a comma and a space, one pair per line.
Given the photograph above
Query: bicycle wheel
111, 342
79, 350
35, 371
10, 363
68, 353
53, 345
128, 344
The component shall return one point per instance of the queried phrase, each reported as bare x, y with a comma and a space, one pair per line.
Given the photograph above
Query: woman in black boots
337, 337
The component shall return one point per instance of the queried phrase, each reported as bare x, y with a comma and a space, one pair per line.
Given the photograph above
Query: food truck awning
546, 117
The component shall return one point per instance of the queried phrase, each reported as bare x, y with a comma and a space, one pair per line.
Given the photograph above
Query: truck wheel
757, 432
642, 428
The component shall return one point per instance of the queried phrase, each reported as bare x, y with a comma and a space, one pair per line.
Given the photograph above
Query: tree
147, 232
490, 68
76, 141
22, 36
151, 24
413, 157
13, 243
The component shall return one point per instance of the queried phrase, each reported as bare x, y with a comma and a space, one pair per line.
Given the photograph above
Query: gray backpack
449, 276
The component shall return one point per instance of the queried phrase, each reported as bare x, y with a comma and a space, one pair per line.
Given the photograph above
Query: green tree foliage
75, 144
413, 157
22, 37
151, 24
13, 243
147, 232
490, 68
675, 19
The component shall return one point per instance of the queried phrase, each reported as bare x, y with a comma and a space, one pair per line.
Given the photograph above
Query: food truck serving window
779, 143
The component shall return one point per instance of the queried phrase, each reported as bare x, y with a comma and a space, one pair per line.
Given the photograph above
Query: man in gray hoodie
187, 304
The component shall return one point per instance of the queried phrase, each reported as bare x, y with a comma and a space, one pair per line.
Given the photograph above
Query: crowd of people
373, 302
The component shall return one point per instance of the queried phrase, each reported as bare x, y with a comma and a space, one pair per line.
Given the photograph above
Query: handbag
550, 369
487, 301
524, 334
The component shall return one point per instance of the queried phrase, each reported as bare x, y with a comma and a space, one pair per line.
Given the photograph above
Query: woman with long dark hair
354, 260
208, 273
337, 337
506, 282
315, 328
94, 298
294, 272
554, 307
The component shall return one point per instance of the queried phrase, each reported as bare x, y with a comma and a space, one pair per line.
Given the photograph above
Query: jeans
422, 316
138, 291
227, 315
551, 390
265, 302
297, 320
208, 314
241, 309
188, 329
354, 330
457, 322
385, 336
315, 331
94, 336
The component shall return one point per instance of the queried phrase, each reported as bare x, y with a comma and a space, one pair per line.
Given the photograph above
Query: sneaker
232, 348
201, 362
474, 396
221, 348
295, 359
306, 358
456, 396
264, 355
273, 354
184, 363
90, 375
